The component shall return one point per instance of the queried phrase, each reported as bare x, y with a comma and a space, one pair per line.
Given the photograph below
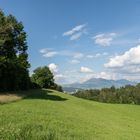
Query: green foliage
14, 63
50, 117
13, 54
56, 87
43, 77
126, 95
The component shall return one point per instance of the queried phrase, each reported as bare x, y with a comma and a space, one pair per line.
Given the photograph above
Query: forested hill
97, 83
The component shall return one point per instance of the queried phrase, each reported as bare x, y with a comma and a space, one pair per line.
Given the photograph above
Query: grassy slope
64, 117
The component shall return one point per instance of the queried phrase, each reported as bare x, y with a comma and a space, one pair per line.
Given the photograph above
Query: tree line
126, 95
14, 64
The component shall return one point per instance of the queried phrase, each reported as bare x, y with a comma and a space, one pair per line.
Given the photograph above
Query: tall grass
7, 98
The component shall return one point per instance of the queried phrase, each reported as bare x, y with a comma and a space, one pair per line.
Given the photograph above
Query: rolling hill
97, 83
51, 115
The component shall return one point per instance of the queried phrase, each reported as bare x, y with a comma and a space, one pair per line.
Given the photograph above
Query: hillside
53, 115
97, 83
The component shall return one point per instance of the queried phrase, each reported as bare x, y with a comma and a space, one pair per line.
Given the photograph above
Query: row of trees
14, 65
126, 95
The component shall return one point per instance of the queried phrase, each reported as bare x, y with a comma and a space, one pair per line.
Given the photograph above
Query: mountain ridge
97, 83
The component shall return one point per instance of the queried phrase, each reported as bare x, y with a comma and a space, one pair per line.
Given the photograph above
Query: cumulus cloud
126, 65
85, 70
59, 77
129, 58
53, 68
76, 32
104, 39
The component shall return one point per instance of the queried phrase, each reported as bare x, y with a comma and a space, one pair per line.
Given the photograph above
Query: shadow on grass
43, 94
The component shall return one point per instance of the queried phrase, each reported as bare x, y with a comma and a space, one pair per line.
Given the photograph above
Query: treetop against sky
81, 39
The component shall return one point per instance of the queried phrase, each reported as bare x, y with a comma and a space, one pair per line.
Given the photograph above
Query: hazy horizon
80, 40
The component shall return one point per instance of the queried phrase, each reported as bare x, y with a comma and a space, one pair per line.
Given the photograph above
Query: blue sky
81, 39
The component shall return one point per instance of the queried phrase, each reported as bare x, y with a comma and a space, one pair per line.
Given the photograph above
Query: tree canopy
45, 78
13, 54
14, 65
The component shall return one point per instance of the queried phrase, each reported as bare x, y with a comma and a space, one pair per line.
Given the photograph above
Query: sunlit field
52, 115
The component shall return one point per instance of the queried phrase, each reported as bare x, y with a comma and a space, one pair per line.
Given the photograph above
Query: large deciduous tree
43, 77
13, 54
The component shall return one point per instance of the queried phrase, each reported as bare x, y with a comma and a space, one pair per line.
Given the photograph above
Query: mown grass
51, 115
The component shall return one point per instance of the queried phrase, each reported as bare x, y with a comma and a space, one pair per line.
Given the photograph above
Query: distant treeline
124, 95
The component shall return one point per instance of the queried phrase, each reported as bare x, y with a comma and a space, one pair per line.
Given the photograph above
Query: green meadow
51, 115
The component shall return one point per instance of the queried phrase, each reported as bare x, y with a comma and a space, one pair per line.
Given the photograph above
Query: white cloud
43, 50
127, 65
74, 76
53, 68
94, 56
76, 32
129, 58
104, 39
106, 75
50, 54
78, 55
84, 76
97, 55
60, 78
76, 36
74, 61
85, 70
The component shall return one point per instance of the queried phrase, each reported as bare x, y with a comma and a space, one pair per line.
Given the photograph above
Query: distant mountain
97, 83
